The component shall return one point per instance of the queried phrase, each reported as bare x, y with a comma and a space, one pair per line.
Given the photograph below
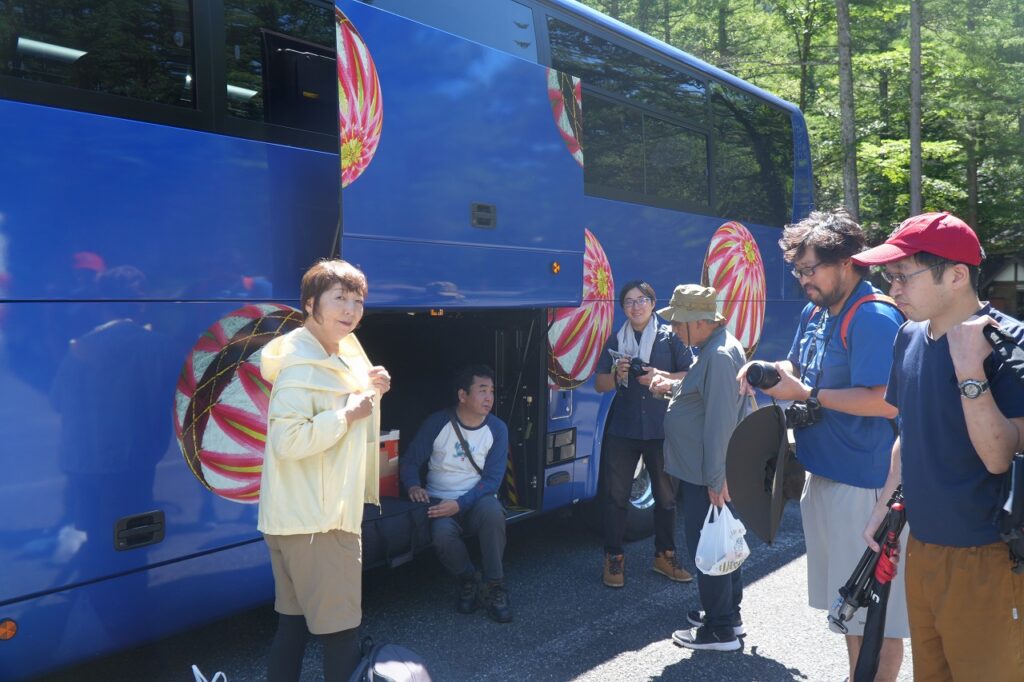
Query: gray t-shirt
705, 408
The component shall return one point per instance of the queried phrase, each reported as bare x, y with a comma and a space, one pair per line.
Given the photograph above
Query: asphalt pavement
568, 625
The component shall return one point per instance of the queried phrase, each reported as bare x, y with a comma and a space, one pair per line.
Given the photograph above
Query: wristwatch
972, 388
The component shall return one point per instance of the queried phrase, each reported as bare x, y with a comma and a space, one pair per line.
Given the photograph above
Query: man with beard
838, 367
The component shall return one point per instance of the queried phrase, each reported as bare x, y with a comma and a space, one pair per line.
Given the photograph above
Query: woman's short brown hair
324, 275
645, 289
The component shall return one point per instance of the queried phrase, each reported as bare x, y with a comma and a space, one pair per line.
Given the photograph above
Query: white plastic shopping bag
200, 677
721, 548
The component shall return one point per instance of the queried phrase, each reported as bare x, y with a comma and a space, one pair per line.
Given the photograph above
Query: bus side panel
110, 615
665, 248
196, 216
463, 124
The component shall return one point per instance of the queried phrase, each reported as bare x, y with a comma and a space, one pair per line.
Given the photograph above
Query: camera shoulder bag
462, 440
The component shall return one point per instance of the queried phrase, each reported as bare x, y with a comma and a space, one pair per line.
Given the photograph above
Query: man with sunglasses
839, 366
961, 420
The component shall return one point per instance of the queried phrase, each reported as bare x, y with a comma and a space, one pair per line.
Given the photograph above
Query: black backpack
389, 663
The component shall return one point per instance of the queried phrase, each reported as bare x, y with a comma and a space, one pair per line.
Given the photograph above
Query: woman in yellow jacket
319, 468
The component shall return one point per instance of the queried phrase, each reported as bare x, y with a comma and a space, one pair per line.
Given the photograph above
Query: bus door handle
139, 530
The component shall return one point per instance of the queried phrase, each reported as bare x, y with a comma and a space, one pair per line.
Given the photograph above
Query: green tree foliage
973, 94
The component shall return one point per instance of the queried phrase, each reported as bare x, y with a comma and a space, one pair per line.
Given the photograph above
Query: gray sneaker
698, 618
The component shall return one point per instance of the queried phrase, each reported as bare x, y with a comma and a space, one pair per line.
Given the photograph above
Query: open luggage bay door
421, 111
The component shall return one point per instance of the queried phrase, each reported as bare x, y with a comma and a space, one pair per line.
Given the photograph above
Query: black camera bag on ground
389, 663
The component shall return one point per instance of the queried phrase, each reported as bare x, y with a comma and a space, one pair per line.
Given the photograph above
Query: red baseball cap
940, 234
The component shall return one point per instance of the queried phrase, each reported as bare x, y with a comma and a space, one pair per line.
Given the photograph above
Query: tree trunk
804, 48
643, 15
613, 9
848, 128
723, 14
972, 182
916, 202
666, 20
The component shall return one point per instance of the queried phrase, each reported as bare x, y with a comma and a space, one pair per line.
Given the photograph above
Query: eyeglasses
806, 272
901, 279
630, 302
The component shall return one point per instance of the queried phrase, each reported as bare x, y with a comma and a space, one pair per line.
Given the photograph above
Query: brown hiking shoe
614, 570
666, 564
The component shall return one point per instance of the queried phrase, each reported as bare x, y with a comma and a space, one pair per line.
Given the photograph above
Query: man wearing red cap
961, 420
837, 369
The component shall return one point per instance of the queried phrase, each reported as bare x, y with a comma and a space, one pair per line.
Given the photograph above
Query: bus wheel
640, 517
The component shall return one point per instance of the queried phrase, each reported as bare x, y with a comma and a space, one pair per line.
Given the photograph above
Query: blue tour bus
169, 170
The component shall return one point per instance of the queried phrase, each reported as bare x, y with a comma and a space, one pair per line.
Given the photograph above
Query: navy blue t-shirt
636, 413
951, 497
844, 447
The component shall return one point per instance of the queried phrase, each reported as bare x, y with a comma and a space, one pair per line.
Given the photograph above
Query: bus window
505, 25
753, 158
675, 162
280, 63
614, 69
141, 50
614, 147
635, 156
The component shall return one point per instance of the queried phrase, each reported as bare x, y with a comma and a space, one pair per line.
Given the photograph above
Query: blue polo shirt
635, 412
843, 447
951, 497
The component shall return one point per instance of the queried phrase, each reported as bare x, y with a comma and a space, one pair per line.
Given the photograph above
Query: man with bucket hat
961, 420
704, 409
836, 374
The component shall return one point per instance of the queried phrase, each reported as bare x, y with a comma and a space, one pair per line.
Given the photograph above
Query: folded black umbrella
758, 484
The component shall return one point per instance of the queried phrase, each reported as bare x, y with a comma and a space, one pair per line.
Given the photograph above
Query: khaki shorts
319, 576
834, 515
966, 613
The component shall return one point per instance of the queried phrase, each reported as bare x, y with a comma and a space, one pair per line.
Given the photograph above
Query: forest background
972, 120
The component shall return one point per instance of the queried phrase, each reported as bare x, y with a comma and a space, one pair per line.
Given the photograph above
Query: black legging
341, 651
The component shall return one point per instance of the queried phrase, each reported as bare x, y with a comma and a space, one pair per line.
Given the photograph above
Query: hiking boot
496, 601
469, 594
705, 638
667, 564
699, 618
614, 570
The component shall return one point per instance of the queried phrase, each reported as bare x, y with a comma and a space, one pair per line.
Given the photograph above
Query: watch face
971, 389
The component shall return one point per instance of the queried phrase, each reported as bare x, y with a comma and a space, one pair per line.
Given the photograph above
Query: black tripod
869, 586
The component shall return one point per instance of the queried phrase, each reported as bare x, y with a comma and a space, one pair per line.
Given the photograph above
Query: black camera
762, 374
802, 414
636, 367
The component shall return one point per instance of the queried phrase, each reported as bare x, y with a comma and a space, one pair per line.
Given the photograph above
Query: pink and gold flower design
566, 95
577, 335
360, 108
221, 401
733, 266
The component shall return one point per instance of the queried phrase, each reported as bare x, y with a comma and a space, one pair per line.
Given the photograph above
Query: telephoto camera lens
762, 375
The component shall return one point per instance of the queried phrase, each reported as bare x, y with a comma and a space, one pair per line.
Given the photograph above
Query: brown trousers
966, 613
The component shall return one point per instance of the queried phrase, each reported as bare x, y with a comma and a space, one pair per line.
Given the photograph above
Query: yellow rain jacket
318, 470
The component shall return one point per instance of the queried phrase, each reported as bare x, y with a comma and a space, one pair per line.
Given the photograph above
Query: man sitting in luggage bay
467, 448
